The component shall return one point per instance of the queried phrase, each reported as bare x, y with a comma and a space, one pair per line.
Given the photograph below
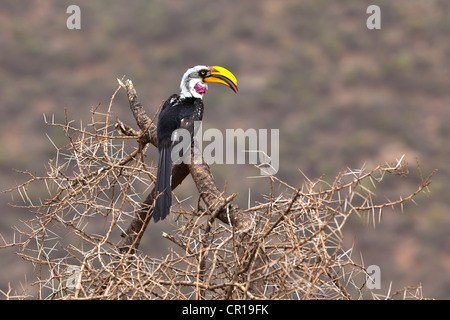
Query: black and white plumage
180, 112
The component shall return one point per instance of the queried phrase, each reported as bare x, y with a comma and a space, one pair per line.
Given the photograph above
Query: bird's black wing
177, 114
163, 192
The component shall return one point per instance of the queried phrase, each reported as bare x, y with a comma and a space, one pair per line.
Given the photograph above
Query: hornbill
180, 112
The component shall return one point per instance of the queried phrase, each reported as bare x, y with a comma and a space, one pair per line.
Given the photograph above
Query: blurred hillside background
341, 95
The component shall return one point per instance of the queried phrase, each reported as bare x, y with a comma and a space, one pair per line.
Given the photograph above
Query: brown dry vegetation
289, 247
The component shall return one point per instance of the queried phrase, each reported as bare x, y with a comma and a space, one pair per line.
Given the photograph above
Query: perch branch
201, 173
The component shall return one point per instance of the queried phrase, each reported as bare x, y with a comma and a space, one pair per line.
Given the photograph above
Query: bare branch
289, 247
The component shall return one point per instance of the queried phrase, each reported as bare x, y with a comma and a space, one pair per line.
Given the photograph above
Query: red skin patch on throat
201, 89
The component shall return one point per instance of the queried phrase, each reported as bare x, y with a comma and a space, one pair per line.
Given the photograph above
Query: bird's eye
202, 73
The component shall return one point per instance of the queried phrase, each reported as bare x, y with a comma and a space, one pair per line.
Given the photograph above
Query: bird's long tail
163, 190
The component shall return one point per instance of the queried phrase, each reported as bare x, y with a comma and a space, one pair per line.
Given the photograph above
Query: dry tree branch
289, 247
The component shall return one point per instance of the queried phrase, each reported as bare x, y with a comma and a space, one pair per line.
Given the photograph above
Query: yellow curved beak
222, 75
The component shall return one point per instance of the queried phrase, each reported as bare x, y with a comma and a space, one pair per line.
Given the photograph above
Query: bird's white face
193, 84
194, 81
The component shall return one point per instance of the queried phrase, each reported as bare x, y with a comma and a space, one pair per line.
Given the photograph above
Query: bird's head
194, 81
